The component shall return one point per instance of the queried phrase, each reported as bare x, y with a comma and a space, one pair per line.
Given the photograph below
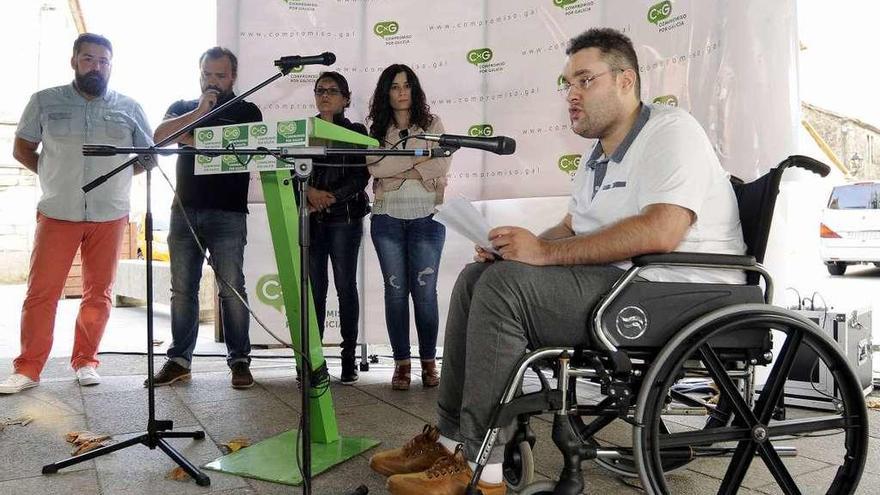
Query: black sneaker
349, 372
171, 372
241, 375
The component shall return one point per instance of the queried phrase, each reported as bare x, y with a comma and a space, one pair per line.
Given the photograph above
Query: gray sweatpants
497, 312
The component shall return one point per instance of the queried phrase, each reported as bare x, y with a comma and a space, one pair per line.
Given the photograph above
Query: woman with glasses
407, 239
338, 202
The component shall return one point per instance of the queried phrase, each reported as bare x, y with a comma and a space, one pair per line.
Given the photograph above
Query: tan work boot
418, 454
450, 475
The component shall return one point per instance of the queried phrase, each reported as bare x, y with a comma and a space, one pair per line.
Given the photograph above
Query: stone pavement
118, 407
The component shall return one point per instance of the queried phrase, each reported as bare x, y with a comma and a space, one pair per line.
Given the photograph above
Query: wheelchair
677, 362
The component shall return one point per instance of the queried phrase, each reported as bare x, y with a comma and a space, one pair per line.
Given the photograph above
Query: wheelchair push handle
807, 163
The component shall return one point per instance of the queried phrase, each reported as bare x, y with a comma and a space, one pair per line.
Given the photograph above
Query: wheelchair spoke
807, 425
777, 468
730, 391
738, 468
704, 437
775, 385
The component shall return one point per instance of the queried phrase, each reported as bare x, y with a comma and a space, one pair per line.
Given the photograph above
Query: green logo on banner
562, 3
206, 135
659, 11
560, 82
259, 130
569, 163
269, 291
231, 133
298, 68
287, 129
235, 135
385, 28
479, 56
203, 159
670, 100
481, 130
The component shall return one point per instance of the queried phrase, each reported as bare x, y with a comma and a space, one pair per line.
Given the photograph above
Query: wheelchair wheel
519, 465
728, 452
543, 487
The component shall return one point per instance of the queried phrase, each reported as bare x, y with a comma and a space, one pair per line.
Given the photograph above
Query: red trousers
55, 245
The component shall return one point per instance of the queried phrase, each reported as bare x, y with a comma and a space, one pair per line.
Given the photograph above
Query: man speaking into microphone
216, 206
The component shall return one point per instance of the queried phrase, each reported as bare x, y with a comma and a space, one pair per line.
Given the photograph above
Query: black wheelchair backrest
757, 200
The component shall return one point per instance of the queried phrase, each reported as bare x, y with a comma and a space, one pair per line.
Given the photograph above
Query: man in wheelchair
652, 184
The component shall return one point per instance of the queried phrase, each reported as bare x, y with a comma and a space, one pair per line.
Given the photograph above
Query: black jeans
340, 242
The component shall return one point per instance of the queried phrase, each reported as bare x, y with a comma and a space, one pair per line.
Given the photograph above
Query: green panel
322, 129
275, 459
281, 209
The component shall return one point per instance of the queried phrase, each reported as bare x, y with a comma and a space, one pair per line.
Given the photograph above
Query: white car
850, 229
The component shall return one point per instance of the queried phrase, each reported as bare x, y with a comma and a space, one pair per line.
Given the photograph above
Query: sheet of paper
460, 215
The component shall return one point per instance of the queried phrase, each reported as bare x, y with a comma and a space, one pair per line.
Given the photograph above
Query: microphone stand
302, 172
158, 430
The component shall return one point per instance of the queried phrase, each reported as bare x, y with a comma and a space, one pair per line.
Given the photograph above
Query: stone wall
847, 136
18, 199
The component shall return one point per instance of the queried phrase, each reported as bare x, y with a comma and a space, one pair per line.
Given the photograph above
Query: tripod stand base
273, 458
200, 478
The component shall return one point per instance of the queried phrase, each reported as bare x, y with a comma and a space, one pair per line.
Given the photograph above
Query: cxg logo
269, 291
562, 3
670, 100
297, 69
479, 56
569, 163
631, 322
231, 133
560, 85
481, 130
259, 130
386, 28
287, 129
659, 11
204, 160
206, 135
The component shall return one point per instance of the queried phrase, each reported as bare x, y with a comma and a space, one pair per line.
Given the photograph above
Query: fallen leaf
237, 444
85, 441
22, 420
177, 474
873, 403
87, 446
157, 343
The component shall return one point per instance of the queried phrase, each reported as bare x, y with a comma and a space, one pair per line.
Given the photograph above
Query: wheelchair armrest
695, 259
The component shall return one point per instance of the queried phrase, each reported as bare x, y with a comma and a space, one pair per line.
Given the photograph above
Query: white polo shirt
666, 158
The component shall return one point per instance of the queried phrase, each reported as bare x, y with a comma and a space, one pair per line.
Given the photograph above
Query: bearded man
62, 119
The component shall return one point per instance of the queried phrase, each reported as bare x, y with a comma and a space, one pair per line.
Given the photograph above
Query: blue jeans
409, 255
224, 235
339, 242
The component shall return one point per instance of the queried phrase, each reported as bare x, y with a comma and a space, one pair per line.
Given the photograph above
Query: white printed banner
493, 67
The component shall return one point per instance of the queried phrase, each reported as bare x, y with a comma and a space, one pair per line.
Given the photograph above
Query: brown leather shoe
450, 475
430, 376
171, 372
401, 378
418, 454
241, 375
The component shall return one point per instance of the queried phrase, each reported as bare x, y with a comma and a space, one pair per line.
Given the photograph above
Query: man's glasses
583, 82
327, 91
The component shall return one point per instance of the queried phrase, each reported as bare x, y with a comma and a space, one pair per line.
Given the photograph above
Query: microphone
500, 145
291, 61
